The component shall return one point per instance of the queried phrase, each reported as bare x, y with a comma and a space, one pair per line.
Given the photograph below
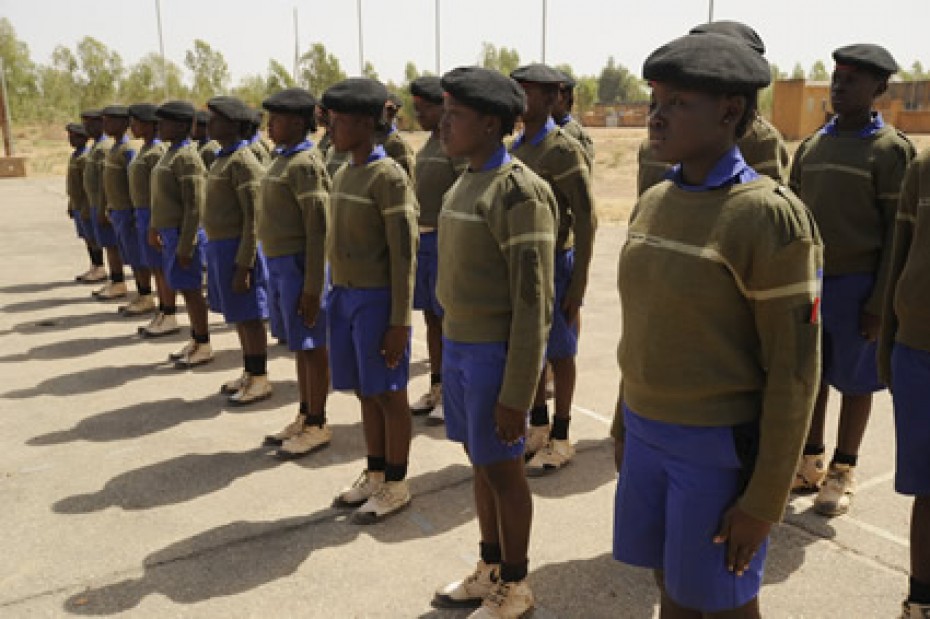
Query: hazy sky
582, 33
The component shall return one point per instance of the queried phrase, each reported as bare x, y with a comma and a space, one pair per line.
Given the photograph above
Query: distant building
616, 115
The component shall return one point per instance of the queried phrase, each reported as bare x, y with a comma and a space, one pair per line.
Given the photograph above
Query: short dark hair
749, 113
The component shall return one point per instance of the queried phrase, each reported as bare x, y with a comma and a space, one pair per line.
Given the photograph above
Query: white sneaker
310, 438
255, 389
536, 439
232, 386
436, 416
428, 401
160, 325
361, 489
471, 590
390, 498
290, 430
553, 456
507, 600
141, 304
810, 474
111, 290
837, 491
911, 610
198, 355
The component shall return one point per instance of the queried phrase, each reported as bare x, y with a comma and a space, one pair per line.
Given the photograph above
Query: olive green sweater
719, 320
233, 190
293, 214
435, 173
116, 196
140, 173
397, 149
851, 185
208, 152
574, 129
178, 193
560, 161
74, 186
497, 238
906, 315
373, 244
334, 160
93, 171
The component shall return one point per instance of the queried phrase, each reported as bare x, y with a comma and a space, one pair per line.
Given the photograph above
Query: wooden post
5, 123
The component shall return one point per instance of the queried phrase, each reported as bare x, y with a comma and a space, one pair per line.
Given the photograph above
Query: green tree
278, 78
211, 73
797, 73
502, 59
19, 71
818, 72
58, 84
150, 81
100, 74
410, 72
585, 93
252, 89
617, 85
369, 71
777, 73
318, 70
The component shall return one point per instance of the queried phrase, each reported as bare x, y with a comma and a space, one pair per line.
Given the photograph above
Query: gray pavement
132, 488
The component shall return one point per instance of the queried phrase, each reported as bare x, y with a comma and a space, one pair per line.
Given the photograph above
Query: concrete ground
132, 488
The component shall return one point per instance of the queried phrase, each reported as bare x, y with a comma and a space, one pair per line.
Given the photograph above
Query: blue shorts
676, 483
150, 256
104, 233
125, 226
221, 269
472, 375
178, 277
85, 229
358, 319
285, 285
76, 217
563, 337
910, 377
849, 363
424, 292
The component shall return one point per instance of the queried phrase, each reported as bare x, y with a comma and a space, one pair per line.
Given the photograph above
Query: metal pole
710, 11
361, 46
296, 47
8, 146
437, 37
545, 5
161, 47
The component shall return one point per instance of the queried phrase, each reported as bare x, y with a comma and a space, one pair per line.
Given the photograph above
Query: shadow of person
65, 323
87, 381
240, 556
41, 286
801, 527
591, 468
69, 349
42, 304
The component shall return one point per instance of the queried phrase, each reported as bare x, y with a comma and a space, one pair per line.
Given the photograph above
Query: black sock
376, 464
435, 379
169, 311
840, 458
96, 256
814, 450
560, 428
539, 415
919, 593
514, 572
117, 277
316, 420
303, 408
201, 339
143, 290
256, 365
395, 472
490, 553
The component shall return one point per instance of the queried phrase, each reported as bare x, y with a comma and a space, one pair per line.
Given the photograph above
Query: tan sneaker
471, 590
837, 491
390, 498
507, 600
361, 489
185, 350
810, 474
232, 386
310, 439
111, 290
290, 430
912, 610
553, 456
160, 325
436, 416
142, 304
198, 355
428, 401
92, 275
255, 389
536, 439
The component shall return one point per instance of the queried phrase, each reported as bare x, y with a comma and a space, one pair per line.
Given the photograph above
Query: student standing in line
395, 146
144, 126
104, 236
332, 158
496, 249
236, 270
904, 365
78, 208
292, 225
849, 175
205, 145
560, 161
178, 192
372, 253
718, 354
435, 173
562, 115
256, 141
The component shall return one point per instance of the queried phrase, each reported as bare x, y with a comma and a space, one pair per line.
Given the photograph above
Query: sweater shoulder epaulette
801, 220
520, 185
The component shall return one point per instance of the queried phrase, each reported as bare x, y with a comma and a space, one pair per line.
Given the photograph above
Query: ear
734, 106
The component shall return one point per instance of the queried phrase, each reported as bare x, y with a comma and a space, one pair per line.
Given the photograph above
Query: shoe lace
498, 595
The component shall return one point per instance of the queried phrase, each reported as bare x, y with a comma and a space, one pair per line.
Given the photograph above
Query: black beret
428, 87
230, 108
486, 91
735, 29
356, 95
394, 99
202, 117
115, 111
568, 82
256, 117
91, 114
708, 63
538, 73
176, 110
874, 58
291, 101
77, 128
144, 112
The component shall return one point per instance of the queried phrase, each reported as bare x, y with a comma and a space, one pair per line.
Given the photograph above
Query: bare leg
196, 311
313, 378
854, 417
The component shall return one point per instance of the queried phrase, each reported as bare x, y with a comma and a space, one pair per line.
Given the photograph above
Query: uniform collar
565, 120
177, 145
229, 150
293, 150
377, 153
875, 123
78, 152
539, 137
499, 158
731, 169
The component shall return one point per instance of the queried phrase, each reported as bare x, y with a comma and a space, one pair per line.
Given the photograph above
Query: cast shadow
592, 467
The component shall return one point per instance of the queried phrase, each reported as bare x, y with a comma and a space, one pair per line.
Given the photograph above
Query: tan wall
799, 107
913, 121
